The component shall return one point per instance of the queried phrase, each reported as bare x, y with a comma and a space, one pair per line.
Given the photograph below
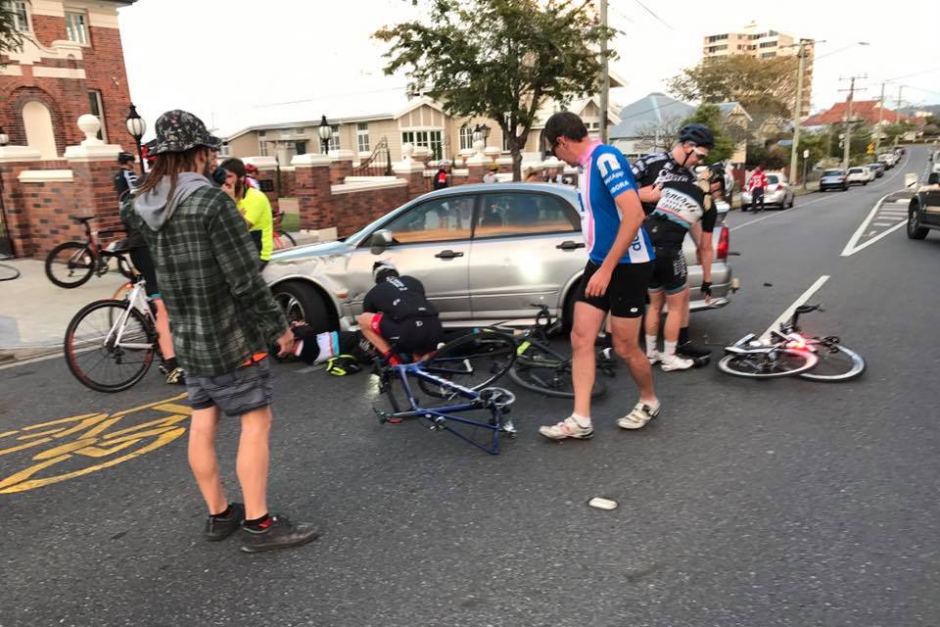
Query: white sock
584, 421
650, 345
669, 348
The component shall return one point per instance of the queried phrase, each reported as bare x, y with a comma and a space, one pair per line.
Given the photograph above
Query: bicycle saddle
82, 218
805, 309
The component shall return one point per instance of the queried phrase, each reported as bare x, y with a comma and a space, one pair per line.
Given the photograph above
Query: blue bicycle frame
496, 400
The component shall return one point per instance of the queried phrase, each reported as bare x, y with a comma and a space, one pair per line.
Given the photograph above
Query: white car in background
778, 193
888, 158
860, 175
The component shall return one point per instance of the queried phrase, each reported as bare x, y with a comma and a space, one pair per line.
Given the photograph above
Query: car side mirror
380, 240
934, 178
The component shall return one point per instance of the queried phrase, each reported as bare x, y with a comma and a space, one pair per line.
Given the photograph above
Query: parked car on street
888, 158
833, 179
860, 175
924, 210
877, 168
778, 192
485, 253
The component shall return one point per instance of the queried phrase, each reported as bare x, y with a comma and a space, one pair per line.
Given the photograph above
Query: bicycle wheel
836, 363
540, 369
780, 363
70, 264
471, 361
283, 240
95, 357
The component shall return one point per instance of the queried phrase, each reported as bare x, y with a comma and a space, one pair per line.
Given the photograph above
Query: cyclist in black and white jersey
652, 173
682, 208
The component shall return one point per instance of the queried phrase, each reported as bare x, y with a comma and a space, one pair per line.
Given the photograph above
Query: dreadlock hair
170, 164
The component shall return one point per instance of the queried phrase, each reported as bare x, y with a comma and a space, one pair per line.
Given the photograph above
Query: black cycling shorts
144, 263
670, 274
411, 335
626, 292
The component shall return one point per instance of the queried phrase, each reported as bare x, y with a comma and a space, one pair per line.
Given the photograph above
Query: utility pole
848, 120
797, 110
897, 113
881, 110
605, 75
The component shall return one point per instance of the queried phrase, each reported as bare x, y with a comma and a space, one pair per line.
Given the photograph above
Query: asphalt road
768, 503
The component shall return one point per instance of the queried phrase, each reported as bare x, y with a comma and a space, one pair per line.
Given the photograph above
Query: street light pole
881, 110
136, 126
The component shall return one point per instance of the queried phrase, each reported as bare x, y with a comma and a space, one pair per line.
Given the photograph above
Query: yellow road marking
93, 441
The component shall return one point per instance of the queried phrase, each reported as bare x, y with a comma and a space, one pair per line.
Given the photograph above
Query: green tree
710, 116
764, 87
499, 59
11, 40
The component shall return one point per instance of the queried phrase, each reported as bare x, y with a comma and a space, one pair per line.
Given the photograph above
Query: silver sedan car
484, 252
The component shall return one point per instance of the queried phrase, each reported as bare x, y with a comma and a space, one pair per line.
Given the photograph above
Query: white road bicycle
789, 351
110, 344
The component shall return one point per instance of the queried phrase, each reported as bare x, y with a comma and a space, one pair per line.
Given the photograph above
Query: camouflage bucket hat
179, 131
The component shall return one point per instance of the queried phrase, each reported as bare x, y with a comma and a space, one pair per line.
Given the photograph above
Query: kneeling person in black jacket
397, 317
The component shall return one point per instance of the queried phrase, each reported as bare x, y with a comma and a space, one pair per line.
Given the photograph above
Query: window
17, 9
768, 55
525, 214
362, 137
76, 27
300, 148
263, 148
768, 44
262, 133
225, 150
96, 108
429, 139
466, 137
434, 221
334, 138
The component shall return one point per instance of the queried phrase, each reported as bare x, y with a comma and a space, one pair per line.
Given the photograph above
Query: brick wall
67, 98
39, 213
354, 210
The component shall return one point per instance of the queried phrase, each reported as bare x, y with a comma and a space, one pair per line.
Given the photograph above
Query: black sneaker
693, 351
279, 534
221, 528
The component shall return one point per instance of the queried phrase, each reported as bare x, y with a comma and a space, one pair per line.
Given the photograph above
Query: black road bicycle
71, 264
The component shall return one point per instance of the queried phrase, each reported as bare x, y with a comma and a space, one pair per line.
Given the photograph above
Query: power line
650, 11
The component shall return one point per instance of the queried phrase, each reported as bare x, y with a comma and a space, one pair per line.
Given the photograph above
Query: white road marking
805, 296
880, 236
850, 247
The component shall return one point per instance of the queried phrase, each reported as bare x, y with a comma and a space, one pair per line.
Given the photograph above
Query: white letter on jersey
607, 164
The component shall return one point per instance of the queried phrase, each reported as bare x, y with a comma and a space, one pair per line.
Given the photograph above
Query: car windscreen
773, 179
833, 173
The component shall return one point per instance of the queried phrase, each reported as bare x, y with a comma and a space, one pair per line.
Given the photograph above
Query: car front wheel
302, 302
914, 229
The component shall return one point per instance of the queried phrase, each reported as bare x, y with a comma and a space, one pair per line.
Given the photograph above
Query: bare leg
202, 458
587, 322
164, 339
654, 312
252, 462
626, 344
678, 315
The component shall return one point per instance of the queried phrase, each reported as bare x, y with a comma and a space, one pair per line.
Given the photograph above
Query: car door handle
448, 254
569, 245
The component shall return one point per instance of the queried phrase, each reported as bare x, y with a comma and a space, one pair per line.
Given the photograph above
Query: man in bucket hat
223, 318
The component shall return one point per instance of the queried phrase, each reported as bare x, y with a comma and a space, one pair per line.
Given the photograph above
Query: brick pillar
341, 166
476, 168
13, 160
313, 190
413, 172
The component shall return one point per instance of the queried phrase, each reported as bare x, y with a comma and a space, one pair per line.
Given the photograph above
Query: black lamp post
326, 134
136, 126
481, 131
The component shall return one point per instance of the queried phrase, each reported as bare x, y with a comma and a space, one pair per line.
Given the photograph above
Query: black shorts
670, 273
144, 263
626, 293
236, 393
412, 335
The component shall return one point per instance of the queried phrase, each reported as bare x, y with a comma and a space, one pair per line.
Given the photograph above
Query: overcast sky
237, 63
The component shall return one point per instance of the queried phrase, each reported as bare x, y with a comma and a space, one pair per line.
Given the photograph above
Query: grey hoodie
155, 207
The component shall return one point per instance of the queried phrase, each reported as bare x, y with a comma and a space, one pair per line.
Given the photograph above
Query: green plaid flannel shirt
221, 310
